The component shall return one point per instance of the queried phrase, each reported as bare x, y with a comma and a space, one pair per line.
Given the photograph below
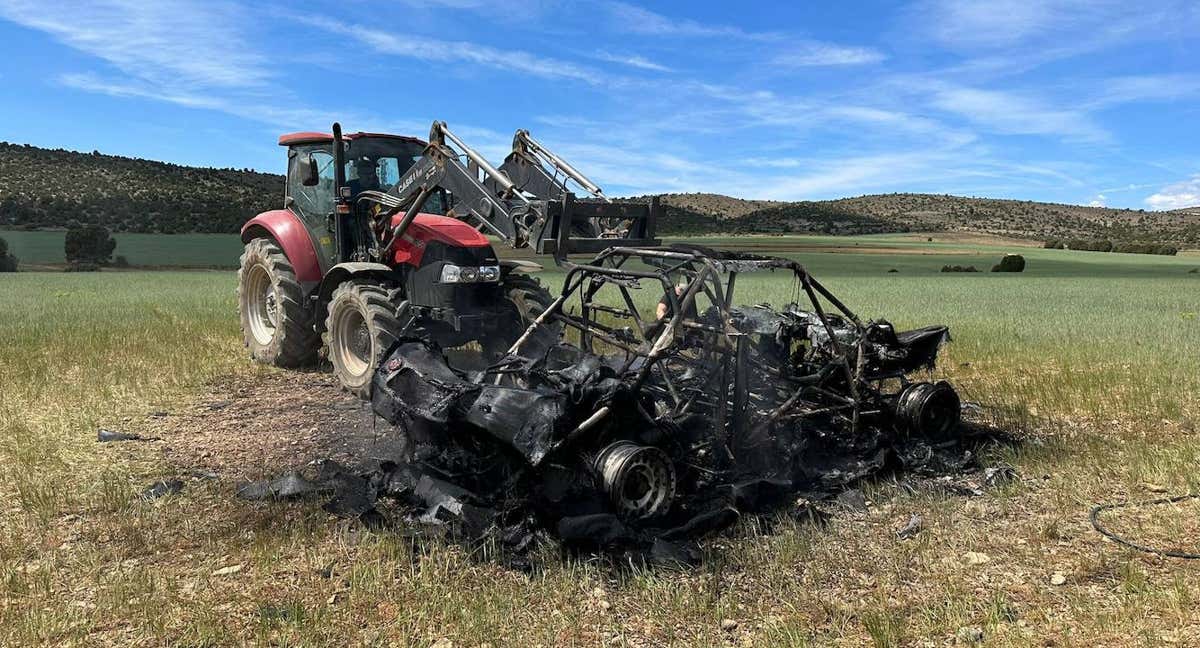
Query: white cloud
632, 60
975, 24
825, 54
1010, 113
630, 18
279, 115
447, 4
1099, 201
1177, 196
172, 42
431, 49
1144, 88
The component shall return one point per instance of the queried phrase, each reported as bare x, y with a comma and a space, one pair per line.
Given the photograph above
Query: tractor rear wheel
276, 327
361, 326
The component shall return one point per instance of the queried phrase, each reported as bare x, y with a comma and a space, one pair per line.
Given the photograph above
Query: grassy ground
1094, 355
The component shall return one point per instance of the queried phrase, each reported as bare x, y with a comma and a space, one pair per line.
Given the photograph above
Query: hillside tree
8, 262
88, 246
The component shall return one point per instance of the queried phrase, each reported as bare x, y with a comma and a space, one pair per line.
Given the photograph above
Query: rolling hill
47, 189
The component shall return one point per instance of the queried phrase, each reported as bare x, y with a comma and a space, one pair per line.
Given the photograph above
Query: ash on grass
301, 426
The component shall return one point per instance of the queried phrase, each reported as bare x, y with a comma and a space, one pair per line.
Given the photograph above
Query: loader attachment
526, 201
590, 226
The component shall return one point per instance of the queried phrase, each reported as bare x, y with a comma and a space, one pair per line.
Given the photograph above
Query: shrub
88, 246
1098, 245
1053, 244
120, 262
1146, 248
8, 262
1010, 263
958, 268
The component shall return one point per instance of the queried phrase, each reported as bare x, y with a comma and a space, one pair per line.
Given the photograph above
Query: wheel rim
261, 304
352, 342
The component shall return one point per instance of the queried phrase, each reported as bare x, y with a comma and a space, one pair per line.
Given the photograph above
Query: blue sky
1060, 100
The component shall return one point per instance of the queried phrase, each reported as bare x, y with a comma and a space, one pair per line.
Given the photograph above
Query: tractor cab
371, 162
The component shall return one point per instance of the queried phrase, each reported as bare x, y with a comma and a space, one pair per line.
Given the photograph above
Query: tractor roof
309, 137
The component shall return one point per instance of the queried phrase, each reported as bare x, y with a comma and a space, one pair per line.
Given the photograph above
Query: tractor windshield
378, 163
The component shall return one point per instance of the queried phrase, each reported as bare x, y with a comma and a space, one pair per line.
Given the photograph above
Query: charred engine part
928, 409
639, 480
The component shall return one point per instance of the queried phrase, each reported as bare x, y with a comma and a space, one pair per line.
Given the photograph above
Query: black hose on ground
1095, 518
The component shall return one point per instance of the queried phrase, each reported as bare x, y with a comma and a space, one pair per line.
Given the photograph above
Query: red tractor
386, 236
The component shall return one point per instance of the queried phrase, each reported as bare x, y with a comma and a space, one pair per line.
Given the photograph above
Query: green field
908, 254
161, 250
1094, 356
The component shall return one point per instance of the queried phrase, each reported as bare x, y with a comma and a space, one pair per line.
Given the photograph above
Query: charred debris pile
616, 430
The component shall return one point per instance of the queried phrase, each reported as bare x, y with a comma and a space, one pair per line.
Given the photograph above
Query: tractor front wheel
361, 326
526, 299
276, 327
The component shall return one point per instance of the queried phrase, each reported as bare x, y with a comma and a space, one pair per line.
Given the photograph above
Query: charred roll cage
841, 378
679, 408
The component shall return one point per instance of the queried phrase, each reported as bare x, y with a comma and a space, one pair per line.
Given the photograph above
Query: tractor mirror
309, 177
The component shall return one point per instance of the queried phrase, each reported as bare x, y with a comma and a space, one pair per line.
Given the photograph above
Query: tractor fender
509, 266
287, 230
351, 269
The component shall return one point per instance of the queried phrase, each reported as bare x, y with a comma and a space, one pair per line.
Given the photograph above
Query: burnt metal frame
722, 356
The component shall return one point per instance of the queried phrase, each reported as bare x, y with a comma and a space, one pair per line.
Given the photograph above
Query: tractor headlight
468, 274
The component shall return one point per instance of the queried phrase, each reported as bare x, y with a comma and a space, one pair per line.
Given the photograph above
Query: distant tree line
46, 189
1102, 245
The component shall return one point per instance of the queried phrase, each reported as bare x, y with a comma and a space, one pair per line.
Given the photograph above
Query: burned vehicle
621, 419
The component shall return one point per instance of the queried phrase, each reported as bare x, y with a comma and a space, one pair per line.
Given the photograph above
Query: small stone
977, 558
443, 643
969, 634
605, 605
853, 501
729, 625
914, 526
1058, 579
228, 571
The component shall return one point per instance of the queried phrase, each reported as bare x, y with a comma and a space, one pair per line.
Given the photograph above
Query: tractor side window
314, 203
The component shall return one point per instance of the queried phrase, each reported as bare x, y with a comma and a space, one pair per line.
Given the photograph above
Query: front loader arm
533, 207
527, 166
490, 202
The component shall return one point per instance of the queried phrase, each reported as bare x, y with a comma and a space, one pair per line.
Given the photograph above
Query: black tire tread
296, 341
381, 302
